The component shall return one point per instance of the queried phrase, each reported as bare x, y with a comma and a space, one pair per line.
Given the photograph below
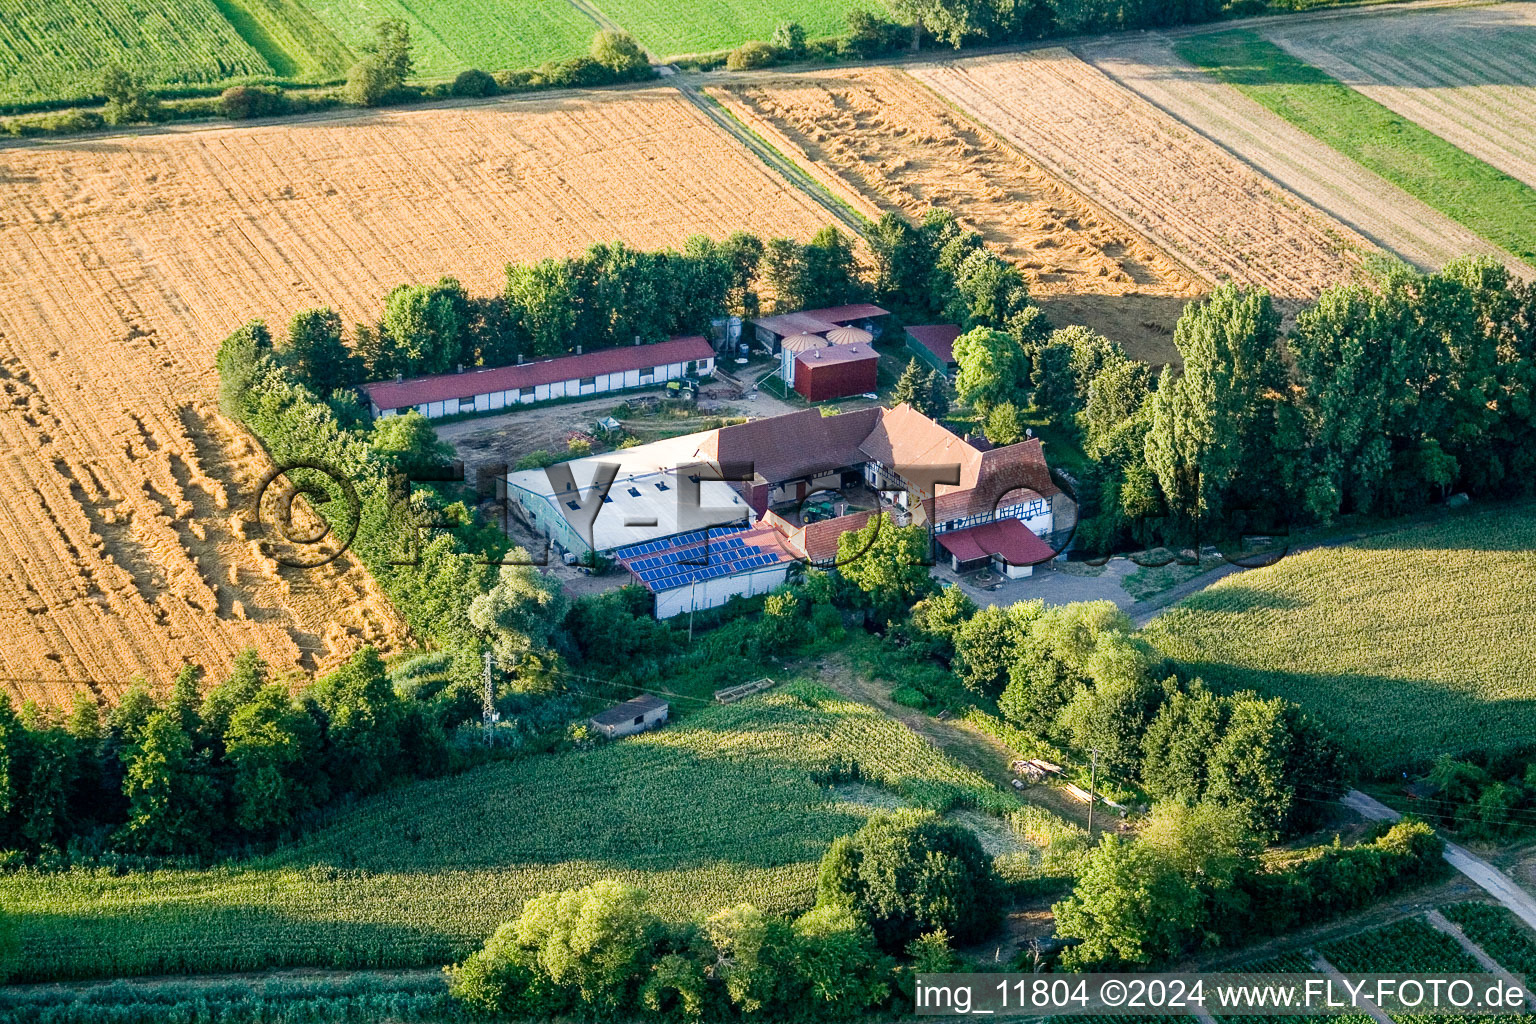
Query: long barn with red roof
592, 373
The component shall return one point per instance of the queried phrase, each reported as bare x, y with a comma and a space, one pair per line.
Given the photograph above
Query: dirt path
986, 755
889, 142
188, 981
1495, 882
786, 168
1386, 215
1468, 75
1442, 924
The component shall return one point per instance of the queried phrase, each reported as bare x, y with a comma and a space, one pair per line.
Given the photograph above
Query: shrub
621, 55
790, 38
381, 74
473, 82
752, 55
128, 100
240, 102
910, 872
572, 73
515, 80
369, 83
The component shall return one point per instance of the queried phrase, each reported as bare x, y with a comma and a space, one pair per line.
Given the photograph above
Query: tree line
612, 293
197, 772
608, 295
1384, 395
890, 899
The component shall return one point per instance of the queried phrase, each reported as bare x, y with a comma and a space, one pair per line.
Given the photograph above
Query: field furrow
123, 545
1466, 74
1174, 186
895, 146
1366, 202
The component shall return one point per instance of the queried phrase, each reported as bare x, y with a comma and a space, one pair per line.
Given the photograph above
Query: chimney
637, 339
578, 350
519, 359
460, 369
399, 377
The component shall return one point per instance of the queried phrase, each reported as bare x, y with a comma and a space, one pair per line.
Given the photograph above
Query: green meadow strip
1498, 207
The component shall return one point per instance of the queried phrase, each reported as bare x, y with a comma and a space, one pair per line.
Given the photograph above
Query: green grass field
1407, 644
451, 35
1498, 207
287, 34
734, 804
57, 49
700, 26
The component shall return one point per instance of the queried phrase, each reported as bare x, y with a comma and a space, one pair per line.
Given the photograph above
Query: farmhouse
934, 344
592, 373
634, 715
772, 330
701, 518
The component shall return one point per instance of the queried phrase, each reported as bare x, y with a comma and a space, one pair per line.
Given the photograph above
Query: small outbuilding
836, 371
934, 344
635, 715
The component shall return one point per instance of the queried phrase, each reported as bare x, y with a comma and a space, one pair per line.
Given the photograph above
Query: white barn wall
601, 384
716, 592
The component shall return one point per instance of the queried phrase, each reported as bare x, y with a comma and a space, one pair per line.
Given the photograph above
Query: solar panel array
693, 558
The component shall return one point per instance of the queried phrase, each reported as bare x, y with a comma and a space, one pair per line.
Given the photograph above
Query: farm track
891, 145
782, 165
1364, 201
1177, 188
1468, 75
127, 260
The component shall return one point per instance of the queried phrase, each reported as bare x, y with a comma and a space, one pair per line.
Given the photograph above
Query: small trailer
732, 694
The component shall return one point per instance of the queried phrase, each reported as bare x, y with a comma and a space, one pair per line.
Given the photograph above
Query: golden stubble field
897, 146
124, 548
1173, 186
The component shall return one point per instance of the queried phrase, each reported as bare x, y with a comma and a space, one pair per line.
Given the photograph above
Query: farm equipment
731, 694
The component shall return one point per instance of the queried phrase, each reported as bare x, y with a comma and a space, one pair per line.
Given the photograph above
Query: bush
473, 82
240, 102
128, 100
790, 38
621, 55
515, 80
369, 84
572, 73
870, 35
911, 872
752, 55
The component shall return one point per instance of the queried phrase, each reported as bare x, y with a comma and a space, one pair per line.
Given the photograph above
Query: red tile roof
938, 339
905, 437
393, 394
818, 321
799, 444
856, 353
1010, 538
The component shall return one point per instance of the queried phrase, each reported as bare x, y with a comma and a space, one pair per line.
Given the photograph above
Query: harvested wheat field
896, 146
1466, 74
1303, 165
1177, 188
124, 262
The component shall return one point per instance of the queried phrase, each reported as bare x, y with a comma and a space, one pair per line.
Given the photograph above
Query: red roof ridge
391, 394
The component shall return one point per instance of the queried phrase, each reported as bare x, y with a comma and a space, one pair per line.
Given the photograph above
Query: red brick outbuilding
836, 372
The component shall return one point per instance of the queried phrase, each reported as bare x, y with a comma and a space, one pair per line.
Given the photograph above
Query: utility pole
488, 702
693, 602
1093, 783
